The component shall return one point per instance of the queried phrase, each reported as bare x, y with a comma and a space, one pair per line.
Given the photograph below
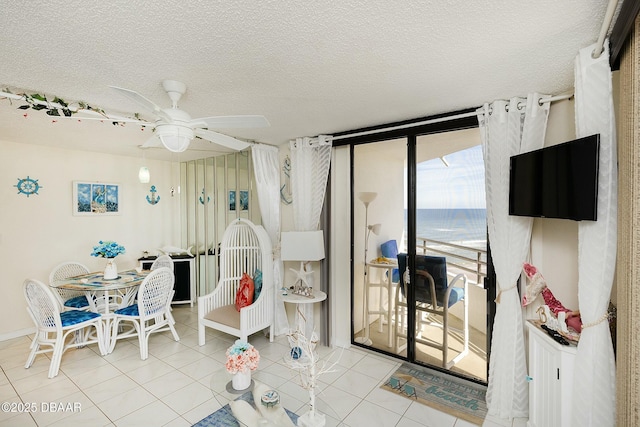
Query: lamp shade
302, 245
143, 175
375, 228
367, 197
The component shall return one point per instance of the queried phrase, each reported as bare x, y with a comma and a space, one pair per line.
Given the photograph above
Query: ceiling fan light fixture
175, 138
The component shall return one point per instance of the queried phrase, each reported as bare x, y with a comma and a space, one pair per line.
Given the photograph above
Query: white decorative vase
241, 380
110, 270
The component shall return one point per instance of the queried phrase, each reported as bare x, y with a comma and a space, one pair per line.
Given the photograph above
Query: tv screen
560, 181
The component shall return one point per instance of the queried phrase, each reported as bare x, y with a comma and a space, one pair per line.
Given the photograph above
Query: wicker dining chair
162, 261
53, 327
151, 313
69, 299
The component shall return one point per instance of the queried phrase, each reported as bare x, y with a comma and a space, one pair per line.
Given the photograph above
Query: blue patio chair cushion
131, 310
73, 317
77, 302
389, 249
437, 267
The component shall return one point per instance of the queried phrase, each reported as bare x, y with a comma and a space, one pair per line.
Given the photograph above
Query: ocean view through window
451, 207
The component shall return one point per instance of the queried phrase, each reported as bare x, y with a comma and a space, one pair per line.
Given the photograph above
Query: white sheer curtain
310, 161
594, 386
508, 128
267, 177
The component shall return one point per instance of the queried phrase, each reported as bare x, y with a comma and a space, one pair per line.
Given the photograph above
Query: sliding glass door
417, 201
451, 253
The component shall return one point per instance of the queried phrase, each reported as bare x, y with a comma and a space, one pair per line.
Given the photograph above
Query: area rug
223, 417
458, 397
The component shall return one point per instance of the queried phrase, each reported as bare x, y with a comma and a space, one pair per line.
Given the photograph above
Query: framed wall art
232, 200
96, 198
244, 200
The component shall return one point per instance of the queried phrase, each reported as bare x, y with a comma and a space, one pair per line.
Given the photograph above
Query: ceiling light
143, 175
175, 137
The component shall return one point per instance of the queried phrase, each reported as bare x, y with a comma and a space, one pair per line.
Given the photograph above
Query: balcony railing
459, 257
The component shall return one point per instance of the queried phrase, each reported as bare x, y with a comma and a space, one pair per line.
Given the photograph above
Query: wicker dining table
105, 296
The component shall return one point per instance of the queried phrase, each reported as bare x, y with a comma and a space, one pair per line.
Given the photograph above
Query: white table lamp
303, 246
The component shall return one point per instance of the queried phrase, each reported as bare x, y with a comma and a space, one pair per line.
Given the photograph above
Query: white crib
244, 248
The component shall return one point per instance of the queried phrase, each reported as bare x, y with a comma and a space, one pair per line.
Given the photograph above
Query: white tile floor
181, 383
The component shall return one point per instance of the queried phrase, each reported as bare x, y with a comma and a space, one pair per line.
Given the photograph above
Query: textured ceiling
309, 67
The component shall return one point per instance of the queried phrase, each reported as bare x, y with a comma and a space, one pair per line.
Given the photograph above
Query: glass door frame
410, 133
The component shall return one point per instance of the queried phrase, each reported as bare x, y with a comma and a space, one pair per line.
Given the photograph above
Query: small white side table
318, 296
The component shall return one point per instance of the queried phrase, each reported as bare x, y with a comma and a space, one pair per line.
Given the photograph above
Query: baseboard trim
17, 334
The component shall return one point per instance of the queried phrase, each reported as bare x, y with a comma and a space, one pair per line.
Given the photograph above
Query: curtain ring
540, 102
506, 108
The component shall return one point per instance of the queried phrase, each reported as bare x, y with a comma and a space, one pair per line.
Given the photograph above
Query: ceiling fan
175, 129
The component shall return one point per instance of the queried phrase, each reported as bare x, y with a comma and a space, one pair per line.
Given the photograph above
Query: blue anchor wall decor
153, 199
202, 198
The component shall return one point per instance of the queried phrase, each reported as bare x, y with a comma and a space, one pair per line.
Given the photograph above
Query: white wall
39, 232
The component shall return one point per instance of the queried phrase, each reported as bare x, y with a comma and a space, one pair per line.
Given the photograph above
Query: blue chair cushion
73, 317
389, 249
257, 284
77, 302
131, 310
437, 267
456, 295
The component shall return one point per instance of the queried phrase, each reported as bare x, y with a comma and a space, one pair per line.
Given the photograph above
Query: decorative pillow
244, 297
257, 282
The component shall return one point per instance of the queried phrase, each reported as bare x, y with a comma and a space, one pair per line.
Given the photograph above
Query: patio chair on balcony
435, 295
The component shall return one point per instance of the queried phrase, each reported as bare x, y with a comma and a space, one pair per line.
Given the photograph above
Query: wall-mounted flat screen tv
560, 181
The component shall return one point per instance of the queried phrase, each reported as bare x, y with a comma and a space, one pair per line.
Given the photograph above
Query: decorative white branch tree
304, 359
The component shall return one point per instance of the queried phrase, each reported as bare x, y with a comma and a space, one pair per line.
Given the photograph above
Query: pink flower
241, 360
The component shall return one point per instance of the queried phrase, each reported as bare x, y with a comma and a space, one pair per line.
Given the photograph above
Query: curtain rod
608, 17
438, 120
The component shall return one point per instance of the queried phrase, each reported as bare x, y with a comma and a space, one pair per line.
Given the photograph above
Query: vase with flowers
242, 358
109, 250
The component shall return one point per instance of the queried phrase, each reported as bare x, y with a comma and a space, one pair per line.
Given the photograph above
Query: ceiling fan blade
153, 142
143, 102
222, 139
93, 115
223, 122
